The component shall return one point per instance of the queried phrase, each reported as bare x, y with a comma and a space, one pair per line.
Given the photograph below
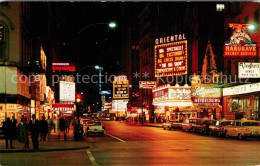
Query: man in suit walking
34, 130
7, 132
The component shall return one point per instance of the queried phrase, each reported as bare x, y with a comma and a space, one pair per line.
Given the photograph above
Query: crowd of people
34, 128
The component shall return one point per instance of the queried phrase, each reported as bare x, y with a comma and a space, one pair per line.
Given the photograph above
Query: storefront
242, 101
173, 103
62, 110
207, 99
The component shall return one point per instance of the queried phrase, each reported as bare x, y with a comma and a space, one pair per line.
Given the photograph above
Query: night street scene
130, 83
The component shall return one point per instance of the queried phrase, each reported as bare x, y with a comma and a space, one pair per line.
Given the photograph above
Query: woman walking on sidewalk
22, 133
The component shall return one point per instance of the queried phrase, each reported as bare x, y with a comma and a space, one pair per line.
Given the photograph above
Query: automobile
217, 128
105, 119
202, 125
177, 125
173, 124
167, 125
243, 129
187, 125
85, 120
94, 127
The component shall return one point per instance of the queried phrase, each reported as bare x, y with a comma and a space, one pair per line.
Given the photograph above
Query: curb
42, 150
153, 126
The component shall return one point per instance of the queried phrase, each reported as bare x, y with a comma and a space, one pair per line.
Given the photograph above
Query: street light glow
251, 27
96, 67
112, 25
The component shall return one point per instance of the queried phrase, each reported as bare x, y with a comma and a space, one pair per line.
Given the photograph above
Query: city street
125, 144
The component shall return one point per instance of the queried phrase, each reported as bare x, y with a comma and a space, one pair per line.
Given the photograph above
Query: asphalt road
138, 145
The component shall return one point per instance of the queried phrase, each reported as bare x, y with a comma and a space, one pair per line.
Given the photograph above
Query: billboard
241, 89
171, 59
63, 67
119, 105
240, 43
239, 51
67, 91
147, 84
248, 70
120, 87
206, 93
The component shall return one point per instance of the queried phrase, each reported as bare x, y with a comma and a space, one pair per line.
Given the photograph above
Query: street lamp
251, 27
112, 25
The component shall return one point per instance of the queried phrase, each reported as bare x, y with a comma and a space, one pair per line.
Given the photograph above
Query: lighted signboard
171, 59
248, 70
63, 67
105, 92
206, 100
119, 105
206, 93
67, 91
239, 51
172, 96
241, 89
240, 43
120, 87
147, 84
64, 108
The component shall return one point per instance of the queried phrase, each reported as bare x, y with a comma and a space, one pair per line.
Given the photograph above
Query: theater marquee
171, 59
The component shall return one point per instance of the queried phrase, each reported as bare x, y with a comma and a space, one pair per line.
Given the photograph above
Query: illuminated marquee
120, 87
171, 59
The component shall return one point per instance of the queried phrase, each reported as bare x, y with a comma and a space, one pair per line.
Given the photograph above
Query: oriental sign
171, 59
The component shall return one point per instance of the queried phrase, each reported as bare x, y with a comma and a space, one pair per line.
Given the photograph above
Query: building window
246, 19
3, 42
220, 7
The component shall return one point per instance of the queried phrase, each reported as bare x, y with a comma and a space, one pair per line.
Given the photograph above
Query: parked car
217, 128
243, 129
167, 125
187, 125
202, 125
95, 127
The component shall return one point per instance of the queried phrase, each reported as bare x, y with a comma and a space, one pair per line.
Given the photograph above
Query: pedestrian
34, 130
7, 133
62, 123
50, 125
26, 133
13, 128
22, 133
67, 125
43, 128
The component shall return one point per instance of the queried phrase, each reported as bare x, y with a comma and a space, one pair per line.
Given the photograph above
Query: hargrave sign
240, 43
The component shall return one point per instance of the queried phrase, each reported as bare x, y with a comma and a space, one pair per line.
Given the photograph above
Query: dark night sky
100, 45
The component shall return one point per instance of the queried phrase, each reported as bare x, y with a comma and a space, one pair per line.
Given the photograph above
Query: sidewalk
159, 125
52, 144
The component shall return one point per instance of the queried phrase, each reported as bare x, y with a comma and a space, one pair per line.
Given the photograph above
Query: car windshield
226, 123
94, 123
251, 124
